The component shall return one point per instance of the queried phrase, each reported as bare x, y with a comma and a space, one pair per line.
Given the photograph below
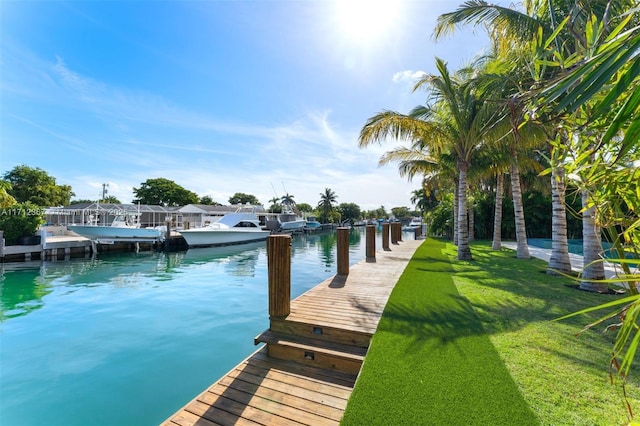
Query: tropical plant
517, 31
423, 200
274, 206
438, 169
600, 91
325, 205
454, 120
441, 218
287, 200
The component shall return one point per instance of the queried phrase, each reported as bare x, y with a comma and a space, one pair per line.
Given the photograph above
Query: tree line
31, 189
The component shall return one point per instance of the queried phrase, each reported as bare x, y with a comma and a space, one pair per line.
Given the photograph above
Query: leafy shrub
20, 220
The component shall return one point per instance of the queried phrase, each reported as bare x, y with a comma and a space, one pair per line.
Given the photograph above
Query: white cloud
408, 76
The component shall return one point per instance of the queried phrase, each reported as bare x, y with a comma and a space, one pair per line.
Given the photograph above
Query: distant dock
306, 371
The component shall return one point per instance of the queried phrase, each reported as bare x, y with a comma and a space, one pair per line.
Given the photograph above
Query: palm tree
508, 27
327, 200
455, 121
501, 80
287, 200
275, 202
512, 26
422, 199
496, 243
608, 83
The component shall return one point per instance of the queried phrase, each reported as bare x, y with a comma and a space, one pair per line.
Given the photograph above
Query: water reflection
239, 260
21, 292
24, 285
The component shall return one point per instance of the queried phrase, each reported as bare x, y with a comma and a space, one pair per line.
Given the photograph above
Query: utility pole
104, 190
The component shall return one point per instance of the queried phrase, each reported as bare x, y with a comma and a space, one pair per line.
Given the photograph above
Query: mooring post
343, 250
418, 232
398, 232
279, 270
371, 242
394, 233
385, 236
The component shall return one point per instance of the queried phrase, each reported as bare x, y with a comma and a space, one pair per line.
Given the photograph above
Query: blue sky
259, 97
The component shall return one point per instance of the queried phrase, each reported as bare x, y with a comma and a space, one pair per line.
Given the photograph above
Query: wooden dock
305, 372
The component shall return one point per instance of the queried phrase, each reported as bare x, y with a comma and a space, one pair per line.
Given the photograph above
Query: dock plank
263, 390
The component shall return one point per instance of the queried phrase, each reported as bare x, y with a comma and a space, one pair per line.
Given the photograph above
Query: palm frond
390, 124
480, 12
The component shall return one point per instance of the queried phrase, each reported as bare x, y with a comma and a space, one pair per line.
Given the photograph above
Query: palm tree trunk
559, 260
464, 251
497, 217
591, 249
518, 210
472, 218
456, 191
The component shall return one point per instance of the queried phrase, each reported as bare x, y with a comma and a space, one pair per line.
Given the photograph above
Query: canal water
128, 339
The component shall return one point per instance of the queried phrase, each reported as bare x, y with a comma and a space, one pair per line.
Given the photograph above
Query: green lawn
473, 343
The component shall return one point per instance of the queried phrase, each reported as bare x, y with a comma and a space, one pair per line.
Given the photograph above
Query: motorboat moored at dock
232, 228
312, 224
124, 228
289, 221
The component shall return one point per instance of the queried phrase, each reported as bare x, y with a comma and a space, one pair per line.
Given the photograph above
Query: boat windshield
245, 224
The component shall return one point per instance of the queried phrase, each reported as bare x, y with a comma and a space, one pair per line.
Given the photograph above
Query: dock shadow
338, 281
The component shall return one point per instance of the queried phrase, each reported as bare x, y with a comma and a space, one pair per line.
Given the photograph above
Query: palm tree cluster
559, 84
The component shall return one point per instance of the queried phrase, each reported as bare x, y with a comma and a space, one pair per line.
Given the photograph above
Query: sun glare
364, 21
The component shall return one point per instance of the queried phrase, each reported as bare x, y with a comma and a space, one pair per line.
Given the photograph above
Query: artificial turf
431, 361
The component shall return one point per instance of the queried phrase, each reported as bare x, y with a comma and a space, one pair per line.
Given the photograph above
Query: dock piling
342, 247
393, 230
279, 270
385, 236
371, 242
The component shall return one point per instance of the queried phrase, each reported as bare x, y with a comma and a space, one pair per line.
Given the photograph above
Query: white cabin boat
232, 228
415, 222
312, 224
124, 228
290, 221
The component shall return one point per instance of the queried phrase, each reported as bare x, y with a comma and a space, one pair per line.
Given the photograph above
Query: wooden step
320, 332
323, 354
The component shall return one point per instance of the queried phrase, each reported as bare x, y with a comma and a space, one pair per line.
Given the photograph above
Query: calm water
129, 339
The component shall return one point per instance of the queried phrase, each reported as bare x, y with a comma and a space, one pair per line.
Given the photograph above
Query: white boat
289, 221
312, 224
232, 228
124, 228
415, 222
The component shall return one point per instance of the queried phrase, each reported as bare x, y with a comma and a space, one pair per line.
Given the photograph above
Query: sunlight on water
130, 338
